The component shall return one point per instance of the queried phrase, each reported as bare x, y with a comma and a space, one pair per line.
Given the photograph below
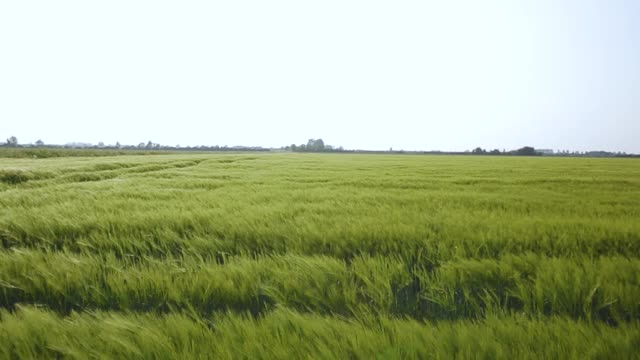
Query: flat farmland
281, 255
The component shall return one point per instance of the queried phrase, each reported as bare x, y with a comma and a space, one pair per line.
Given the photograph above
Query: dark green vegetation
326, 255
52, 152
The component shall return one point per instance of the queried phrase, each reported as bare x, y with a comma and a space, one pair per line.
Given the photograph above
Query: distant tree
100, 144
12, 141
311, 145
526, 151
118, 144
495, 152
478, 151
39, 142
141, 146
149, 145
315, 145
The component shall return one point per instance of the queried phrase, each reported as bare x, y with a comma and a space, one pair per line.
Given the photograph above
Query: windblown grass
286, 334
278, 255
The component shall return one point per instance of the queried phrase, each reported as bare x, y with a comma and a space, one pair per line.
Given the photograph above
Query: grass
287, 334
319, 255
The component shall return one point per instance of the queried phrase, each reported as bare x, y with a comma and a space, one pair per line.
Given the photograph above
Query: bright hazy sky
413, 75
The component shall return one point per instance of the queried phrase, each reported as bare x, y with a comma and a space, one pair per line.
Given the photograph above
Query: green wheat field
349, 256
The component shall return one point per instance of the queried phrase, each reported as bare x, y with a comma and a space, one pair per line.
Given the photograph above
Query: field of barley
283, 255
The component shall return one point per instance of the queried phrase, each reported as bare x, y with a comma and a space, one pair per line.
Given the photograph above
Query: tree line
524, 151
150, 145
312, 145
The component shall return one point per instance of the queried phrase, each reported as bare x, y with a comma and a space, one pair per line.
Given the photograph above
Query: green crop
319, 256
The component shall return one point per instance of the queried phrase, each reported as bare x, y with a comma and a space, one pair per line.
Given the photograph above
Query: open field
335, 255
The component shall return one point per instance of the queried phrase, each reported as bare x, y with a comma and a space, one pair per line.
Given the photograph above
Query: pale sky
412, 75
